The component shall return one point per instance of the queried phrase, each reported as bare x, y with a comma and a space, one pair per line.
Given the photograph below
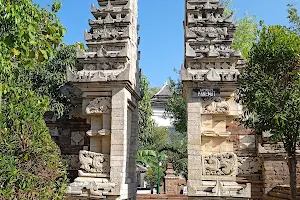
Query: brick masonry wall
260, 161
70, 136
275, 172
281, 193
249, 164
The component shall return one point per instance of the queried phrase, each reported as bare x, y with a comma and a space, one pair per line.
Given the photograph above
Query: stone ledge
161, 197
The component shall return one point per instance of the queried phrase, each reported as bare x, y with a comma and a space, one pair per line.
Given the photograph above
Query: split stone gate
100, 141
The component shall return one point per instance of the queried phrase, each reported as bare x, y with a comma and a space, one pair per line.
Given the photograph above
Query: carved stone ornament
94, 162
209, 32
99, 105
94, 75
213, 75
108, 33
217, 106
88, 188
108, 19
222, 164
105, 66
111, 8
77, 138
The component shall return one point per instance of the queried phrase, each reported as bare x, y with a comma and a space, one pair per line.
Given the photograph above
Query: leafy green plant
31, 165
294, 18
146, 123
269, 88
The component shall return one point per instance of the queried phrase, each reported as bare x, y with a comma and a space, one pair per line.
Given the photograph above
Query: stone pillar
119, 136
209, 77
109, 80
194, 140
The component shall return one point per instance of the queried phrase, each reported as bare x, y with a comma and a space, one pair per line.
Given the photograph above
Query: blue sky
161, 29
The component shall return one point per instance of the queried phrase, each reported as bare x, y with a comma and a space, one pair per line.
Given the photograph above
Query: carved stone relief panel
217, 65
110, 18
217, 105
224, 75
249, 165
218, 50
209, 17
110, 8
99, 105
105, 32
222, 164
105, 51
77, 138
105, 66
208, 33
94, 162
109, 50
94, 75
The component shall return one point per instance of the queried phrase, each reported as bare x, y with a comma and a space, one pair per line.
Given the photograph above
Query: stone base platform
91, 188
161, 197
181, 197
281, 193
220, 189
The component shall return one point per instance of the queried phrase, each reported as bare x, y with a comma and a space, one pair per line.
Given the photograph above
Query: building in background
159, 102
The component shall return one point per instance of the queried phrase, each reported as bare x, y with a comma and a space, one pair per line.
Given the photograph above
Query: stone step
271, 198
279, 195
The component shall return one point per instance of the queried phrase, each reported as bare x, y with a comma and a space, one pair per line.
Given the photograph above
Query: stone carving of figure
226, 164
94, 162
222, 164
212, 166
218, 106
99, 105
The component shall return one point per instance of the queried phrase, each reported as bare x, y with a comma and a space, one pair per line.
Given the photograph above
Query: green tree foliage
246, 32
177, 153
245, 35
154, 148
151, 159
228, 7
31, 167
30, 162
270, 90
151, 177
159, 138
176, 107
294, 18
51, 79
146, 123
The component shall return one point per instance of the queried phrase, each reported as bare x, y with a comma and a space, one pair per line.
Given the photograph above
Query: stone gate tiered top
208, 43
112, 44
